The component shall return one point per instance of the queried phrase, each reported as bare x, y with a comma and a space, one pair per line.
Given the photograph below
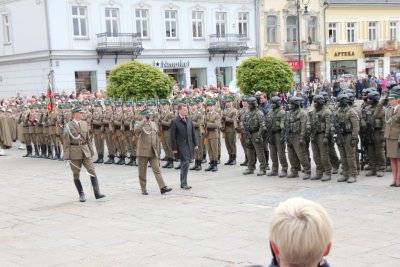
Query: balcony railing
227, 44
118, 44
380, 46
293, 48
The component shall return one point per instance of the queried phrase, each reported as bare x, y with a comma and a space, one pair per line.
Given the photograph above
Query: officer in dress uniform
140, 106
242, 133
52, 121
166, 118
212, 122
98, 129
107, 124
79, 151
200, 107
129, 124
197, 118
148, 151
119, 128
228, 125
24, 119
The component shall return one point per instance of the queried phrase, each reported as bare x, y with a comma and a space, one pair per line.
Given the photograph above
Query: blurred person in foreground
300, 234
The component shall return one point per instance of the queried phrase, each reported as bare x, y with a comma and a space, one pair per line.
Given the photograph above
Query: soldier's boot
215, 166
283, 174
166, 164
219, 159
101, 158
233, 162
367, 167
352, 179
198, 168
36, 152
165, 158
266, 154
248, 171
293, 175
134, 161
245, 162
380, 173
28, 151
43, 149
344, 178
110, 160
204, 160
261, 172
194, 166
210, 167
130, 162
306, 176
98, 159
388, 168
96, 189
170, 164
317, 176
49, 152
229, 161
121, 160
178, 167
335, 170
78, 186
56, 153
273, 173
371, 172
326, 177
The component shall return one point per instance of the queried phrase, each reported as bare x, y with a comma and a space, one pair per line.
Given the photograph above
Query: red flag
50, 98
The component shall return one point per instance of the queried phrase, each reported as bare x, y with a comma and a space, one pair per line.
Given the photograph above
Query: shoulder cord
71, 135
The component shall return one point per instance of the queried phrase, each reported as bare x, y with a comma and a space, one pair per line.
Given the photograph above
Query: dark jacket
183, 138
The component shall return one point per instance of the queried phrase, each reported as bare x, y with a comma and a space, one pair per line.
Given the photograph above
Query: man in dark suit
184, 142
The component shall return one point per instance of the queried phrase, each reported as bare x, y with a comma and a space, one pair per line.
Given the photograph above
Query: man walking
183, 141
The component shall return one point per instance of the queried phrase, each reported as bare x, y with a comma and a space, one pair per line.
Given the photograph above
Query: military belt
117, 127
96, 126
165, 128
78, 144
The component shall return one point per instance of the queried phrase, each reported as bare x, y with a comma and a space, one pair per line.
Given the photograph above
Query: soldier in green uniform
140, 105
148, 151
277, 148
242, 133
79, 151
320, 120
98, 129
254, 125
296, 123
212, 122
45, 147
372, 120
119, 128
107, 124
24, 119
228, 125
197, 118
166, 117
129, 124
200, 107
52, 121
59, 131
346, 125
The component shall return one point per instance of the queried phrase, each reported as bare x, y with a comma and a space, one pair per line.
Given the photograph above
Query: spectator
300, 234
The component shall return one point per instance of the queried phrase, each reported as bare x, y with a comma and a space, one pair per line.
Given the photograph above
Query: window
220, 24
312, 30
85, 80
372, 31
393, 30
351, 32
79, 20
6, 29
197, 24
272, 29
291, 28
112, 21
171, 24
243, 23
332, 33
142, 22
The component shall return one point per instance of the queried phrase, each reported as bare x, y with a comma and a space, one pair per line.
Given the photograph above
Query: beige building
279, 35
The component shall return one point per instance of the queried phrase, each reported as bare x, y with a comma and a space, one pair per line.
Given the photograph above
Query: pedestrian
78, 150
183, 141
148, 147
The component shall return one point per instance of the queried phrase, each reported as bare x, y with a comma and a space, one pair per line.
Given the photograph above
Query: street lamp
298, 8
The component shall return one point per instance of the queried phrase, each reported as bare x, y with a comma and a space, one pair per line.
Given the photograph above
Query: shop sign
344, 54
174, 65
296, 64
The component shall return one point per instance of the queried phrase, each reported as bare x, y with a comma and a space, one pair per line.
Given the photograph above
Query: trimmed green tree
265, 74
140, 81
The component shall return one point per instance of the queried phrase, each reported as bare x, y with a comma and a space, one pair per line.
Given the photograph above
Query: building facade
77, 42
363, 38
280, 35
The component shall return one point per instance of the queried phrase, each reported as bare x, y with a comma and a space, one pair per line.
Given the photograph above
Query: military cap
175, 102
199, 99
245, 98
391, 96
85, 103
140, 103
164, 102
183, 101
228, 99
77, 109
192, 102
77, 103
211, 102
60, 106
396, 90
107, 102
145, 112
391, 84
31, 107
24, 108
68, 106
44, 106
128, 104
151, 103
118, 104
251, 99
97, 104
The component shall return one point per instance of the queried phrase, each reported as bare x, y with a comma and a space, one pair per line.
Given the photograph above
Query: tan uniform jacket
148, 139
213, 123
76, 141
229, 115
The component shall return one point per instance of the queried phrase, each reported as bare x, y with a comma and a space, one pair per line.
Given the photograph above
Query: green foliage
265, 74
139, 81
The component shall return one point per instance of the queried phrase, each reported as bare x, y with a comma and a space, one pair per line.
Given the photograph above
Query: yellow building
279, 35
362, 38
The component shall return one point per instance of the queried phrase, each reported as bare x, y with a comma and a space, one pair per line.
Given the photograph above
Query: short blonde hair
301, 230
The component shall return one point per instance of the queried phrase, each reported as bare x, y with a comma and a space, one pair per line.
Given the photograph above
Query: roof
364, 2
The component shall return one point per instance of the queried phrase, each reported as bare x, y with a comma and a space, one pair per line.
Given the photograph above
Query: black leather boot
219, 159
43, 151
210, 167
244, 163
55, 156
204, 160
194, 166
178, 167
36, 152
198, 168
121, 160
130, 161
96, 189
49, 152
110, 160
134, 163
266, 153
170, 163
233, 162
215, 167
164, 158
167, 163
97, 160
78, 186
101, 158
28, 151
229, 161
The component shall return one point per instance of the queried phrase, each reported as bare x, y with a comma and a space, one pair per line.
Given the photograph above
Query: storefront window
394, 65
85, 80
198, 77
224, 76
343, 69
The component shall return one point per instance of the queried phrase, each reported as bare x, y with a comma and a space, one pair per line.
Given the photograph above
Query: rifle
312, 130
205, 129
287, 123
269, 134
338, 127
